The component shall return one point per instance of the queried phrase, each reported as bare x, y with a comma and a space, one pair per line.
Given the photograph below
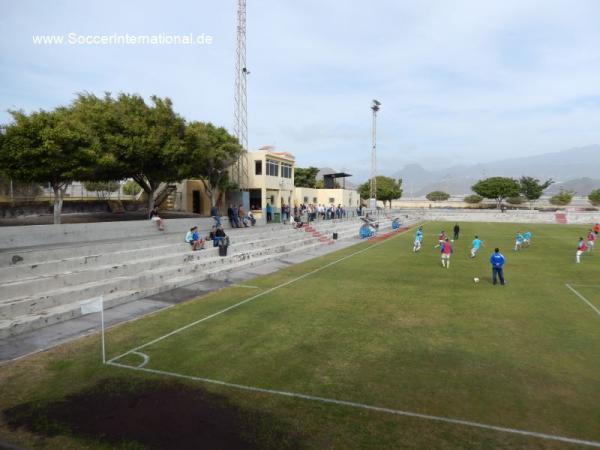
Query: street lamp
373, 191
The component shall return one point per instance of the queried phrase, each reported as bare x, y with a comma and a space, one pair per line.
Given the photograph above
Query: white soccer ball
476, 280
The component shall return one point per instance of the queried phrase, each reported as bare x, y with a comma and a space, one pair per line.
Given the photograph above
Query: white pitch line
245, 286
583, 298
254, 297
397, 412
144, 356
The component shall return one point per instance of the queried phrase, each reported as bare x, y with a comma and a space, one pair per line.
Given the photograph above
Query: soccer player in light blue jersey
475, 246
526, 239
518, 241
418, 239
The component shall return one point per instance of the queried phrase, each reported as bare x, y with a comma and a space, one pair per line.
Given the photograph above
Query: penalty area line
254, 297
397, 412
576, 292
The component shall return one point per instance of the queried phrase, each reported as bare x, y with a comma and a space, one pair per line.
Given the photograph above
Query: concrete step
62, 304
22, 280
92, 283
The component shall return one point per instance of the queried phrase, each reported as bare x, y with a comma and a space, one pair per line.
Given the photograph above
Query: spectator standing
214, 212
456, 231
497, 262
269, 213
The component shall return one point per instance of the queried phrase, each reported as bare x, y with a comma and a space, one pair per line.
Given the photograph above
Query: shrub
437, 196
594, 197
103, 189
473, 199
563, 198
517, 200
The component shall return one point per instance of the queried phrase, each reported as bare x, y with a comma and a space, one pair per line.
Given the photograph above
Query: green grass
386, 328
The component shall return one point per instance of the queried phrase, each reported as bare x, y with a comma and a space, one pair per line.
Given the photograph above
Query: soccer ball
476, 280
451, 240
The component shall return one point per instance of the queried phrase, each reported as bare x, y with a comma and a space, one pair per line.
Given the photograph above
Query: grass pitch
386, 328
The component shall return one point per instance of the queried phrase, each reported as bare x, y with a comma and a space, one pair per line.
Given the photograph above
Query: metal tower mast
240, 115
373, 197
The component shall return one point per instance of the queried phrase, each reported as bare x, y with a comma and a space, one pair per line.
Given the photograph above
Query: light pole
373, 197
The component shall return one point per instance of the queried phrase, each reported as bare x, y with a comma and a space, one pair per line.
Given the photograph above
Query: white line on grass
145, 358
245, 286
396, 412
583, 298
254, 297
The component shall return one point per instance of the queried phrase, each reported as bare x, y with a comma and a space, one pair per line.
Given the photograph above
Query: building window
331, 200
286, 170
305, 199
314, 199
258, 167
272, 168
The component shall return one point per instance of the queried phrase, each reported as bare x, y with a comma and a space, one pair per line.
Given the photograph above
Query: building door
196, 202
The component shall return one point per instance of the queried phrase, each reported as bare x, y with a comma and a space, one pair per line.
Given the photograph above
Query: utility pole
240, 115
373, 194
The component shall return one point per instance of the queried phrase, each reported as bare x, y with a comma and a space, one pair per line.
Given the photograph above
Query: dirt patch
155, 415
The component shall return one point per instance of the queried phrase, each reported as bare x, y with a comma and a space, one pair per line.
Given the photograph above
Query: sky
459, 81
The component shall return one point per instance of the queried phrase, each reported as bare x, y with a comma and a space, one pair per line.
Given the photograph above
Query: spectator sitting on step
242, 216
154, 217
221, 236
251, 218
193, 238
213, 235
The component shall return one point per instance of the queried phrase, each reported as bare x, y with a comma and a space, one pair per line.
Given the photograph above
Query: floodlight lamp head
376, 102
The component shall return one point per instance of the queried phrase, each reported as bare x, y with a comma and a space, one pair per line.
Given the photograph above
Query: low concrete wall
510, 216
39, 208
37, 235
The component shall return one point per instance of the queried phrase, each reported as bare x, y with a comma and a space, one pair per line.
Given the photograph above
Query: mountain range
576, 169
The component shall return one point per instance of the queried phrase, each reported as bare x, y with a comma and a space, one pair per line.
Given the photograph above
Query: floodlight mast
240, 120
373, 182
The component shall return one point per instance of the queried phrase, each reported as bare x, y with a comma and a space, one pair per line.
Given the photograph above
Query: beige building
270, 178
270, 181
348, 198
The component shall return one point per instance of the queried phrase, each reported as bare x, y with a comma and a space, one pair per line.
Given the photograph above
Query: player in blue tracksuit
497, 262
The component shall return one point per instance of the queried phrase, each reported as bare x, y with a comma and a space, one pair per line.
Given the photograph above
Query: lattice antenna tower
240, 119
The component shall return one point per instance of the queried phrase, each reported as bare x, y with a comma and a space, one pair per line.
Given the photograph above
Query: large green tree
135, 140
305, 177
46, 147
497, 188
388, 189
211, 152
532, 189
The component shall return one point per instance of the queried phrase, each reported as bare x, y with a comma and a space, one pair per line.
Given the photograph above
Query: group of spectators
238, 218
217, 236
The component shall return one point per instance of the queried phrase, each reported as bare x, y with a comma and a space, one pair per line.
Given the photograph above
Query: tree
211, 153
305, 177
135, 140
103, 189
388, 189
473, 199
46, 147
594, 197
437, 196
532, 189
563, 198
496, 188
130, 187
